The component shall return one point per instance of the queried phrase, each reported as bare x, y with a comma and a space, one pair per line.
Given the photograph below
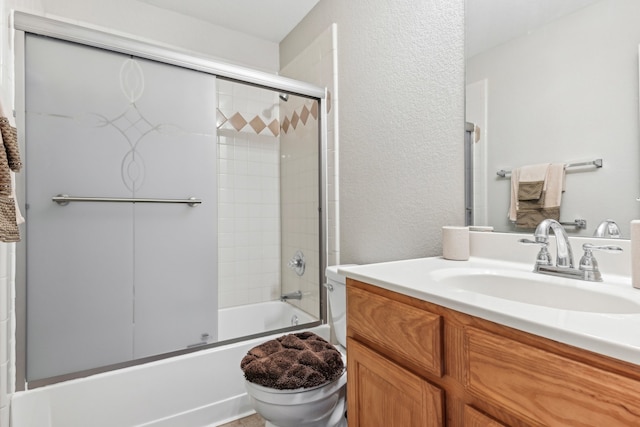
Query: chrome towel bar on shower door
64, 199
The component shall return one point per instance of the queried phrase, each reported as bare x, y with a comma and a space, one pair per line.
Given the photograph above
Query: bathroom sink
536, 289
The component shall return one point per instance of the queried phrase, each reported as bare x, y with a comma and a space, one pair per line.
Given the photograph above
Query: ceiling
490, 23
269, 20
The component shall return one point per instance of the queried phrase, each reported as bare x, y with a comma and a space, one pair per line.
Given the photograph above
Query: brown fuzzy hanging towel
300, 360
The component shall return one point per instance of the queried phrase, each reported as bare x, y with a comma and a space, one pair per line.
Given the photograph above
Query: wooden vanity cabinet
413, 363
387, 394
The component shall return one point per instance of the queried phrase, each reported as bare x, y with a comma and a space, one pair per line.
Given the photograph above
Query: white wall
568, 92
401, 70
163, 26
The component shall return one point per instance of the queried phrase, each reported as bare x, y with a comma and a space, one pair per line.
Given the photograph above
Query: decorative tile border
257, 124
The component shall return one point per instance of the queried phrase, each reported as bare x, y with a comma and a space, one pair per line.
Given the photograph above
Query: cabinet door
473, 418
383, 394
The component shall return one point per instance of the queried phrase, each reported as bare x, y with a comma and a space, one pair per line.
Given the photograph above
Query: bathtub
200, 389
253, 319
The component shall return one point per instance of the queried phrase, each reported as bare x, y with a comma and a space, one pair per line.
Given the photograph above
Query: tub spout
291, 295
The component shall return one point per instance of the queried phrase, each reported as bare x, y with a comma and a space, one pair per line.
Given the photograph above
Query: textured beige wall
401, 78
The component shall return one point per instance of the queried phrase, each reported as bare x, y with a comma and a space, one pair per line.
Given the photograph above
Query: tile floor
250, 421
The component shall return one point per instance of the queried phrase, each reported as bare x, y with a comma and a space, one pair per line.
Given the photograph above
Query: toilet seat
320, 406
298, 395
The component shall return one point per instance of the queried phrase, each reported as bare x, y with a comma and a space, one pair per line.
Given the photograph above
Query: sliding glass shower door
132, 271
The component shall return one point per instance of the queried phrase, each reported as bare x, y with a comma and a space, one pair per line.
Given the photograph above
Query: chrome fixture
588, 269
564, 254
267, 112
577, 223
588, 263
608, 226
597, 163
291, 295
65, 199
204, 340
297, 263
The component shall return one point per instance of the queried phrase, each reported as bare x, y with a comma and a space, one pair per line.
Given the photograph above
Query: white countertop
611, 334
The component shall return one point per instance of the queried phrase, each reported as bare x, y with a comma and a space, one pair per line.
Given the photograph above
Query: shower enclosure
160, 190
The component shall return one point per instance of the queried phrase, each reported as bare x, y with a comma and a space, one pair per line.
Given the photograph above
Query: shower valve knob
297, 263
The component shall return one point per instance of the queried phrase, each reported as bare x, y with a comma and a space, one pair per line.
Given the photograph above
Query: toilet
321, 406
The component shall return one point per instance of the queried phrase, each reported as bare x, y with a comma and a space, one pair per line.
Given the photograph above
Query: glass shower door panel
176, 245
80, 256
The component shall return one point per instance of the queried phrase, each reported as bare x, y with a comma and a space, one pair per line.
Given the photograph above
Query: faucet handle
534, 242
589, 264
544, 257
607, 226
297, 263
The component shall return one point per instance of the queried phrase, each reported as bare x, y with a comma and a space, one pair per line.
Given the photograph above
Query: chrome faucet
291, 295
607, 226
588, 269
564, 254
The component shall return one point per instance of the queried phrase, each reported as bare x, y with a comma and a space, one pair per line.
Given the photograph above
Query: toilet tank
337, 296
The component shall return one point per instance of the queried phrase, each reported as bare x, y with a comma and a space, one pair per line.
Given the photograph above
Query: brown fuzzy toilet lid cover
298, 360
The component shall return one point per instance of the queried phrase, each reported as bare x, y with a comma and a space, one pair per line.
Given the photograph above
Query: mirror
555, 81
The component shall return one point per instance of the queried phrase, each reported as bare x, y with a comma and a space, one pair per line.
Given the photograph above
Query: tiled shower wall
317, 64
248, 194
7, 337
299, 199
268, 183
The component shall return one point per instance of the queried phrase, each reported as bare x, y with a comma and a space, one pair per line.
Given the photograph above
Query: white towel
513, 206
554, 185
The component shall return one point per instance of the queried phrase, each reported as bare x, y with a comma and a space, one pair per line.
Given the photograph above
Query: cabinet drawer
546, 388
403, 330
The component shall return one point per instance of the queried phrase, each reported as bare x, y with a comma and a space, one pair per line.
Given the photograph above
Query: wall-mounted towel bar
64, 199
597, 163
577, 223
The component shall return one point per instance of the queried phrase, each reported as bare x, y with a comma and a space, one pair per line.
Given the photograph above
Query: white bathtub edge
164, 393
224, 412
